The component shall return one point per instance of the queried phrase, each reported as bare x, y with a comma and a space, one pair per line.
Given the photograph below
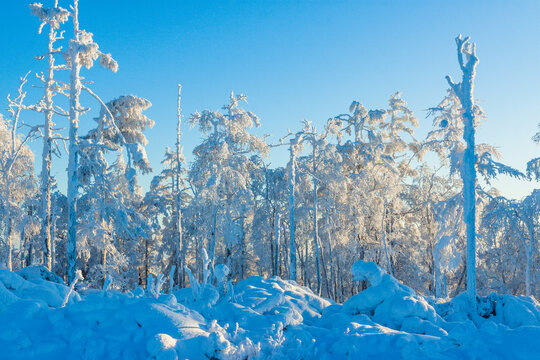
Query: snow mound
274, 296
259, 319
508, 310
107, 325
391, 303
38, 272
35, 285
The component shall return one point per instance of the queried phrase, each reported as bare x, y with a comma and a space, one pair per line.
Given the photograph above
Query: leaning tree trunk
464, 92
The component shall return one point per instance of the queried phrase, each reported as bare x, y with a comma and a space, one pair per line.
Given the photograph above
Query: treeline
357, 188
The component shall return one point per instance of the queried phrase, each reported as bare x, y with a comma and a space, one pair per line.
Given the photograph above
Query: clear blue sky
301, 60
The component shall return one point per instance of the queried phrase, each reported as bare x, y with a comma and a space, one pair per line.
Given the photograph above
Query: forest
361, 186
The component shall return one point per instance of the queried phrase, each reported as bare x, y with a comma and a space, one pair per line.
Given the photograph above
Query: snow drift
258, 319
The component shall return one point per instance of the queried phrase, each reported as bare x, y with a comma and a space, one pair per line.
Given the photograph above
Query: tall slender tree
53, 17
464, 92
180, 250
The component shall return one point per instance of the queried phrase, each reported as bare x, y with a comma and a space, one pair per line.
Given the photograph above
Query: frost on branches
377, 242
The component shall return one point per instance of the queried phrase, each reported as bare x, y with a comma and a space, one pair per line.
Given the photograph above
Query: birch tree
180, 251
53, 17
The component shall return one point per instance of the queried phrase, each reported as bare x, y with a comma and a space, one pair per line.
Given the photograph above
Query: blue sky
301, 60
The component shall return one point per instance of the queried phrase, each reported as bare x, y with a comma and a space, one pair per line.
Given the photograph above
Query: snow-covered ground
258, 319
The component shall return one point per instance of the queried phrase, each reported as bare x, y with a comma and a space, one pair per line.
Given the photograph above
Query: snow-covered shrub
154, 287
78, 276
509, 310
203, 295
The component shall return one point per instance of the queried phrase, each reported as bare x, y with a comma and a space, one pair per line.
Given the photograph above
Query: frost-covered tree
377, 161
464, 92
458, 116
16, 168
295, 146
82, 51
58, 232
432, 198
113, 229
269, 187
121, 124
53, 17
112, 226
533, 166
221, 176
510, 223
30, 246
179, 258
313, 164
159, 207
167, 196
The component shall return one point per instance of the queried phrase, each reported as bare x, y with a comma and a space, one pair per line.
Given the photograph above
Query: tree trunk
464, 92
74, 109
53, 244
277, 241
383, 233
9, 242
528, 253
177, 204
316, 227
213, 235
292, 224
243, 252
46, 156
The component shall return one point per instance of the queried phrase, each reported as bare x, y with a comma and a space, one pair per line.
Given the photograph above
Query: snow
259, 319
32, 285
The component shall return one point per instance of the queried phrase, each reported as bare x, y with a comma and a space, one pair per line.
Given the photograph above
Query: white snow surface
259, 319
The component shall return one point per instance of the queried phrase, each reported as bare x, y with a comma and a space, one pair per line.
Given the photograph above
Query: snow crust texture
259, 319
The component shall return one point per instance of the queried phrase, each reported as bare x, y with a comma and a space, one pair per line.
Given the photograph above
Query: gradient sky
299, 60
